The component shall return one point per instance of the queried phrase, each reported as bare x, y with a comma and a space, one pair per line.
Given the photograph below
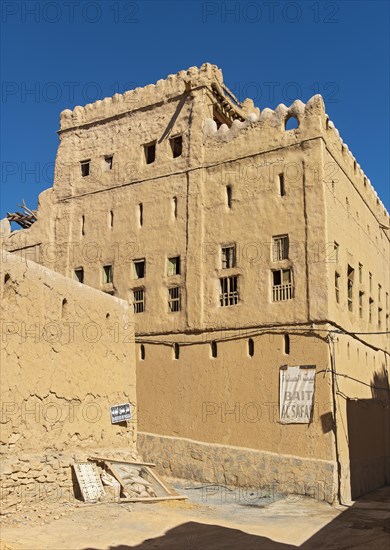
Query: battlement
268, 118
353, 169
312, 119
164, 89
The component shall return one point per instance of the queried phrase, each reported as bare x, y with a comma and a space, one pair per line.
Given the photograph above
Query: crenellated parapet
267, 130
269, 119
353, 170
172, 86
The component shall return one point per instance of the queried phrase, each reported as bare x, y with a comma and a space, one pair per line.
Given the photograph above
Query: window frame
174, 302
85, 164
110, 279
230, 259
139, 301
139, 261
172, 142
231, 295
152, 145
75, 277
177, 266
280, 244
286, 290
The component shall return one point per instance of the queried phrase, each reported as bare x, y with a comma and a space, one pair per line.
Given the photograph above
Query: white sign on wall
119, 413
296, 393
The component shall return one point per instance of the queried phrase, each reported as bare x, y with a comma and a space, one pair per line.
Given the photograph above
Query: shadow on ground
364, 525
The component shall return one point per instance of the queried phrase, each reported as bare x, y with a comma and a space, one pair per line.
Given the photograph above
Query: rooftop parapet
173, 86
355, 172
305, 115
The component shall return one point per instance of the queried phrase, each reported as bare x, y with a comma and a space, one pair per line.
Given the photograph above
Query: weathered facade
242, 246
62, 367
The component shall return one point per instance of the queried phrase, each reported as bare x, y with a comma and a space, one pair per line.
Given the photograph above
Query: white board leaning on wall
296, 394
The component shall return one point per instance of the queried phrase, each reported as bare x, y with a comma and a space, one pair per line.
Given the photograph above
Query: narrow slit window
83, 225
142, 352
107, 274
150, 152
111, 218
141, 214
174, 207
229, 194
176, 351
286, 344
282, 188
350, 281
174, 299
336, 248
360, 273
176, 146
214, 349
370, 309
337, 286
85, 167
361, 295
251, 347
79, 274
139, 300
379, 318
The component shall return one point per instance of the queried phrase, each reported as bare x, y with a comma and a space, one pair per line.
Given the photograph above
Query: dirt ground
214, 518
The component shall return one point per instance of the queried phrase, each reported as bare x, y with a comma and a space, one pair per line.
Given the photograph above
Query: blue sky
56, 55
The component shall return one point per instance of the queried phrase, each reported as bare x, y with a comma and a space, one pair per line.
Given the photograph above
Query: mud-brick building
246, 241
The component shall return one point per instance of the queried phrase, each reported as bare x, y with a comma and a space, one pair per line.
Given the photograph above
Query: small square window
228, 256
139, 268
108, 163
79, 274
176, 146
107, 274
174, 302
173, 266
150, 152
84, 165
280, 248
139, 300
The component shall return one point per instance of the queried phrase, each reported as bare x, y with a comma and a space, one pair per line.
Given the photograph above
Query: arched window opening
291, 123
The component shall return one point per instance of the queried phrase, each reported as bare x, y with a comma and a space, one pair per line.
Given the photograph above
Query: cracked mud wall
67, 354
